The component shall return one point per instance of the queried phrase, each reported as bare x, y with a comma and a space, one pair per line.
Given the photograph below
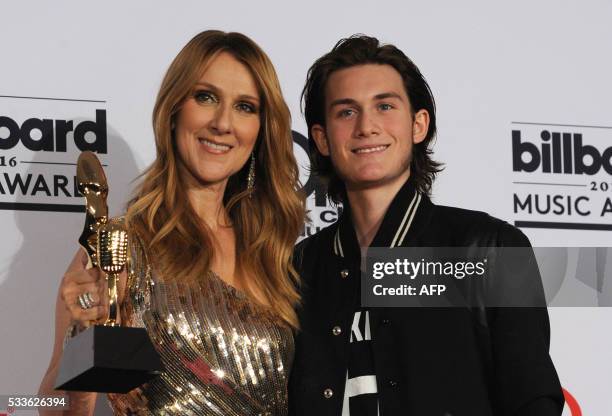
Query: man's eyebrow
350, 101
217, 90
386, 95
342, 101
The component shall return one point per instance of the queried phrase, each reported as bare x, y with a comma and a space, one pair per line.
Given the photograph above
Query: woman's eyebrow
216, 89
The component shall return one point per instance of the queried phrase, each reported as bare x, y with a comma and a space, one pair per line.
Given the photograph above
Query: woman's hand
78, 282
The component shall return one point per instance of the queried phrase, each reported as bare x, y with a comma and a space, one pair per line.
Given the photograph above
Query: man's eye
385, 106
246, 107
204, 97
347, 112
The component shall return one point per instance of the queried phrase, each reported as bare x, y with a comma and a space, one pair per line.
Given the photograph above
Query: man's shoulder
462, 216
478, 226
317, 241
309, 253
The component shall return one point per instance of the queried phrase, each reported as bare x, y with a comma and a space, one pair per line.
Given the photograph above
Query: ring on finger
89, 299
85, 300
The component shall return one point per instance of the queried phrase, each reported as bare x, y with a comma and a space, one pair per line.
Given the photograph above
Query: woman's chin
206, 179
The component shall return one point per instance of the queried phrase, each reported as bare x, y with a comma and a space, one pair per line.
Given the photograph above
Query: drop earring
251, 176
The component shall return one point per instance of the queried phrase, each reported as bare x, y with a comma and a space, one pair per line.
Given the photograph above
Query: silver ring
85, 300
89, 298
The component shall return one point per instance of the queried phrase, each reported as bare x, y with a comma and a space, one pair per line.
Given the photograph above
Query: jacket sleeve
525, 379
295, 387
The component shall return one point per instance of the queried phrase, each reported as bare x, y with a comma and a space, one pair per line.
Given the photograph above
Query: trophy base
108, 359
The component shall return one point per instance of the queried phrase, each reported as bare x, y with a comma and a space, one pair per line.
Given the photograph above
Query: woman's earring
251, 176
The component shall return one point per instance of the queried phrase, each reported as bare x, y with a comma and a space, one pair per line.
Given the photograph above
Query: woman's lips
214, 147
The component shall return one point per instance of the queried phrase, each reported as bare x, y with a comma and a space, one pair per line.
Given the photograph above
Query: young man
371, 119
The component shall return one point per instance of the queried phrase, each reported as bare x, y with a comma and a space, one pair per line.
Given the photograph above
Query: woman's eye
204, 97
246, 107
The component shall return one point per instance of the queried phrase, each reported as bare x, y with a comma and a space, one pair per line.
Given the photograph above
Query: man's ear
317, 132
420, 126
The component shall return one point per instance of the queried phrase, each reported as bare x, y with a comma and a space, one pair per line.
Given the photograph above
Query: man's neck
369, 206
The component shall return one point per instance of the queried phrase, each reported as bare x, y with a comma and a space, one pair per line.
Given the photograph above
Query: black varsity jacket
428, 361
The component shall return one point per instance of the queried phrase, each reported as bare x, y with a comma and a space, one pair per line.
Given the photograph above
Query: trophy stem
105, 358
111, 278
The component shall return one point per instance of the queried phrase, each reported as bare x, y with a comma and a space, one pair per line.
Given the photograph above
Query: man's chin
374, 180
368, 182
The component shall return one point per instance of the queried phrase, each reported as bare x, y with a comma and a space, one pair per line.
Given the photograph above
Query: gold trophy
105, 358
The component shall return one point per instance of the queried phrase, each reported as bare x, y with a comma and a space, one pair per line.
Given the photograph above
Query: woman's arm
76, 281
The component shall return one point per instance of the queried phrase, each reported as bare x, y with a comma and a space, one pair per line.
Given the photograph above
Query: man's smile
370, 149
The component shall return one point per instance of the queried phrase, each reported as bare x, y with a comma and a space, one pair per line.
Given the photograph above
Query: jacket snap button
344, 273
336, 330
392, 383
385, 321
328, 393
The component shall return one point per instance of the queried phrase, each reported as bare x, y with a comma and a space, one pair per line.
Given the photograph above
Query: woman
212, 227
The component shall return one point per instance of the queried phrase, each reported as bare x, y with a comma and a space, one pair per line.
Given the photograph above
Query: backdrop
525, 129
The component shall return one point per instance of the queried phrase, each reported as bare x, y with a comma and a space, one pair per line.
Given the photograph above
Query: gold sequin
223, 355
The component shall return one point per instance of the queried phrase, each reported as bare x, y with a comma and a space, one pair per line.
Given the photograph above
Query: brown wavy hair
266, 224
359, 50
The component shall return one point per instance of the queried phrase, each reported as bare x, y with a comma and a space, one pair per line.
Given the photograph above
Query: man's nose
367, 125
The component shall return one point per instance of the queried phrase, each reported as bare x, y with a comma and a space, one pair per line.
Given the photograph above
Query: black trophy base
108, 359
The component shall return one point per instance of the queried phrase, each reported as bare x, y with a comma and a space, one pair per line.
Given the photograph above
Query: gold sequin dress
223, 355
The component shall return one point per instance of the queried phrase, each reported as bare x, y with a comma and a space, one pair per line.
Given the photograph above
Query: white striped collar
400, 233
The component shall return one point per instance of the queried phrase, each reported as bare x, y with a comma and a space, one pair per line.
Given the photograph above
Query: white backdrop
493, 69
